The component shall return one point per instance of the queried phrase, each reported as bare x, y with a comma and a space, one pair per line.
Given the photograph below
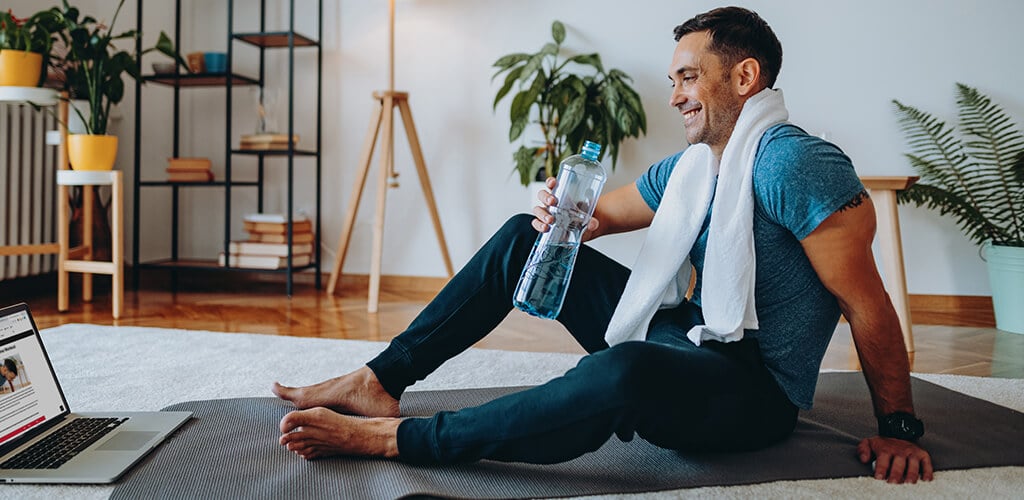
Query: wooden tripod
383, 119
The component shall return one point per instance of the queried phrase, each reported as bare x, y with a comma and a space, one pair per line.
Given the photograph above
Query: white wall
844, 62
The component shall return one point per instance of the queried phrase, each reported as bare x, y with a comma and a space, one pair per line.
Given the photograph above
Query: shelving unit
262, 40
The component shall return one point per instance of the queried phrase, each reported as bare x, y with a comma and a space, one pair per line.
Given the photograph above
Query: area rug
146, 369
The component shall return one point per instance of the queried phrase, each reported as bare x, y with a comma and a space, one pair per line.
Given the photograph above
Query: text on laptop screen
29, 395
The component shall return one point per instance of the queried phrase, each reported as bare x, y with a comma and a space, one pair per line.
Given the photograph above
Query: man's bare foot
320, 432
358, 393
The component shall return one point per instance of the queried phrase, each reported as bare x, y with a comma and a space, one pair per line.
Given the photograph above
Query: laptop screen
29, 394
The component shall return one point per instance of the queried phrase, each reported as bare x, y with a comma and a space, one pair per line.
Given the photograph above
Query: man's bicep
622, 210
839, 249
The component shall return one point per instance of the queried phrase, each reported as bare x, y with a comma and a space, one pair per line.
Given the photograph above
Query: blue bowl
215, 62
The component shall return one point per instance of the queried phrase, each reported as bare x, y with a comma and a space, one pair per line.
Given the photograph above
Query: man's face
703, 93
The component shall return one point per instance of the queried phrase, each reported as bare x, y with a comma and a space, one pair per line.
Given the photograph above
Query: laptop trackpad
128, 440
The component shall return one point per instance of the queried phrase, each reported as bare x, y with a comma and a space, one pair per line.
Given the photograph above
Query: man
727, 369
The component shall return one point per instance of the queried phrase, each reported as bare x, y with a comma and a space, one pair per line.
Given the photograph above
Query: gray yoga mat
230, 450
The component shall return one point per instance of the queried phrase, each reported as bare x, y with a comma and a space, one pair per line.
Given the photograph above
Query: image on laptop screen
29, 394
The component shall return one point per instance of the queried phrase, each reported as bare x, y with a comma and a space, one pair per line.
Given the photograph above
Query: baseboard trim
952, 310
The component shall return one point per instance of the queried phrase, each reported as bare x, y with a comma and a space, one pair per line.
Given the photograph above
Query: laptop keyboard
61, 446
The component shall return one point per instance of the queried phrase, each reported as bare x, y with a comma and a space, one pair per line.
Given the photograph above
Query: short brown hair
736, 34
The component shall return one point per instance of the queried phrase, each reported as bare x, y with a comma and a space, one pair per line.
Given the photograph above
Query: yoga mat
230, 450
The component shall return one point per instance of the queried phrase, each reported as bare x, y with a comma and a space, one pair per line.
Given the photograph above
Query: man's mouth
690, 114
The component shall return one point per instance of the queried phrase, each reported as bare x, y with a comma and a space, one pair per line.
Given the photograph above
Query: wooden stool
79, 259
883, 191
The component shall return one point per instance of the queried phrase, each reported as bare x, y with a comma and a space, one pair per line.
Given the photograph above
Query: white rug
134, 368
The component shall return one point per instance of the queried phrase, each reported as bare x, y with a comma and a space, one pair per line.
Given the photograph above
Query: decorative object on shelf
267, 142
267, 245
195, 62
977, 176
93, 69
189, 170
266, 106
165, 68
569, 108
382, 123
215, 62
25, 47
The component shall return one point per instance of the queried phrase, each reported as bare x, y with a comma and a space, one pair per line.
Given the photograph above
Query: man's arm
840, 251
618, 211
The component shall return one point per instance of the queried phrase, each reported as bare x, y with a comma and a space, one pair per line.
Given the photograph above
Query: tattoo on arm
855, 202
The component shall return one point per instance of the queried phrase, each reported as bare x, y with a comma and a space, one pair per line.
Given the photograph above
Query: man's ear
746, 77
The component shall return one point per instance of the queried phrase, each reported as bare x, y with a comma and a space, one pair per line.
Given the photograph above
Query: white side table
79, 259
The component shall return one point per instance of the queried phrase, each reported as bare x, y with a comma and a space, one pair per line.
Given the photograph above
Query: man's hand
896, 461
543, 218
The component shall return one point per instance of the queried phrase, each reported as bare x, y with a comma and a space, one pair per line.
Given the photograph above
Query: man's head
722, 58
10, 369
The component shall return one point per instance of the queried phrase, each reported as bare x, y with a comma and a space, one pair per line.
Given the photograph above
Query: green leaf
573, 115
558, 32
507, 86
587, 60
510, 60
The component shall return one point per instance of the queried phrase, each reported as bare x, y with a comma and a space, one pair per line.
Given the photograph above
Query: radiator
27, 188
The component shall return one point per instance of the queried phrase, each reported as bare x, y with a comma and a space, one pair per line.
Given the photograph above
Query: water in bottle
545, 279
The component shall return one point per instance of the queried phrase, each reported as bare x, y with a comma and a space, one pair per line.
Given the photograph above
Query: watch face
901, 426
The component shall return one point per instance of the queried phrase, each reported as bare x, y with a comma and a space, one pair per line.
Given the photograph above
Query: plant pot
19, 68
1006, 275
92, 152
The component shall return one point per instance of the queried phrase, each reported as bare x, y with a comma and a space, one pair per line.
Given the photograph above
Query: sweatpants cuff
388, 367
414, 444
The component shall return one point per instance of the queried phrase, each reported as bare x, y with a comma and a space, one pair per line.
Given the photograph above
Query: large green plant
94, 68
569, 107
977, 176
33, 34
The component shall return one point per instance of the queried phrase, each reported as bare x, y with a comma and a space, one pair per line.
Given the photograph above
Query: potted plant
569, 107
24, 47
94, 70
977, 176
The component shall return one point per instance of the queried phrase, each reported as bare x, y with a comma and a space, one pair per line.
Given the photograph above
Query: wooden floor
263, 308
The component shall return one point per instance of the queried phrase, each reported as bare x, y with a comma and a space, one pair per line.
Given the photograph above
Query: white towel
662, 271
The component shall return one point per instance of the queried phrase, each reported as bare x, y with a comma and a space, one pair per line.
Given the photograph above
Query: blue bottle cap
591, 150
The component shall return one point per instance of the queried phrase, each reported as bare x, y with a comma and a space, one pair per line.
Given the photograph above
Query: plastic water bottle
545, 279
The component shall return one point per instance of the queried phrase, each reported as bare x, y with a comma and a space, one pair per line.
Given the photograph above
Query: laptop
41, 440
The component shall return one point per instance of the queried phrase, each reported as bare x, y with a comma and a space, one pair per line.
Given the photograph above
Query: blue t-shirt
799, 181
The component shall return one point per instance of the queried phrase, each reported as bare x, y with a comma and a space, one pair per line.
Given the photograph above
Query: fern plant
975, 174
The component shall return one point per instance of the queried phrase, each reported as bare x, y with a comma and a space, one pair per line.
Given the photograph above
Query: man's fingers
864, 451
897, 467
927, 473
882, 466
913, 470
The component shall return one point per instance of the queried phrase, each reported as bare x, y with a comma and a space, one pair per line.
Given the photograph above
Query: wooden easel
383, 118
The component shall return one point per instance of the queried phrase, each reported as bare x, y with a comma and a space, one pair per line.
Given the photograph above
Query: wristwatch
900, 425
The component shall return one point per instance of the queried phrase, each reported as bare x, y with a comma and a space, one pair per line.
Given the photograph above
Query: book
268, 138
196, 176
263, 261
277, 249
272, 218
188, 164
297, 237
269, 146
277, 228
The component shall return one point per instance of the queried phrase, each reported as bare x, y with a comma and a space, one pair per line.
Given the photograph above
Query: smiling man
778, 228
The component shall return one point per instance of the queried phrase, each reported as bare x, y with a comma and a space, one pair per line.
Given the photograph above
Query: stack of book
267, 142
267, 245
189, 170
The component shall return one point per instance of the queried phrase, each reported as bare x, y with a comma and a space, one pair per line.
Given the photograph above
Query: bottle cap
591, 150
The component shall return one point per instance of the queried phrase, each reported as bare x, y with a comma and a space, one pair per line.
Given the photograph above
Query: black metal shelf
261, 40
200, 183
276, 39
200, 79
273, 152
212, 265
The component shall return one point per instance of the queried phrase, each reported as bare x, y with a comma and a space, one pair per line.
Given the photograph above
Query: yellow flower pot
19, 68
92, 152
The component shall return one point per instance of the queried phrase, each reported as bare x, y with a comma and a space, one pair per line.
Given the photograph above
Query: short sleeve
800, 180
652, 183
